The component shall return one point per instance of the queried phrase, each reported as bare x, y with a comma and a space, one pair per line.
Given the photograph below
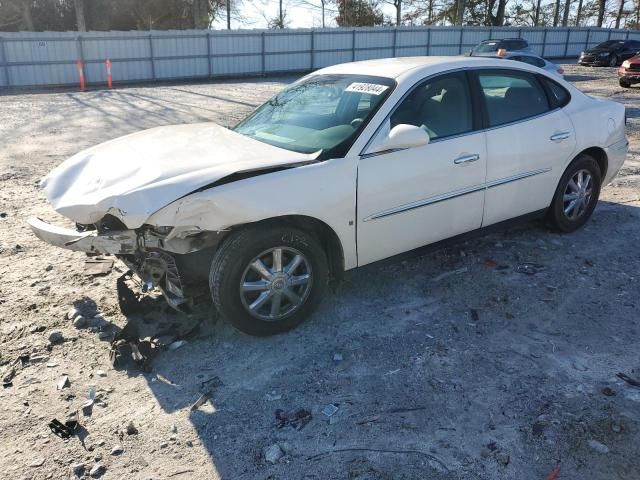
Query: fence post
313, 46
460, 41
210, 70
566, 42
262, 50
153, 64
627, 35
395, 39
586, 42
353, 45
428, 41
3, 52
544, 41
609, 36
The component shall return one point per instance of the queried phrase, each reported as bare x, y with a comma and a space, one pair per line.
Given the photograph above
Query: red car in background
629, 72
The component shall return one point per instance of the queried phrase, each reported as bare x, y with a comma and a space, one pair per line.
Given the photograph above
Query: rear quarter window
558, 95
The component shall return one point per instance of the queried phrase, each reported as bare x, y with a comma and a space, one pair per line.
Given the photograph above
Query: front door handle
559, 136
466, 159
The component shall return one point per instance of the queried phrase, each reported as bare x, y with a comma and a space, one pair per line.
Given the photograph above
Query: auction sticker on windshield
371, 88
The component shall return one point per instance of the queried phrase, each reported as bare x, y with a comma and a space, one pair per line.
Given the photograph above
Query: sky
299, 13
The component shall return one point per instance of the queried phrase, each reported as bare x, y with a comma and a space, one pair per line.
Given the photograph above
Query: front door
415, 196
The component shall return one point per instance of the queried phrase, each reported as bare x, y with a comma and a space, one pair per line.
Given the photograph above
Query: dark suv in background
610, 53
489, 48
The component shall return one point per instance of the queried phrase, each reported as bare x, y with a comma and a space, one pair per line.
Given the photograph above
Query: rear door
528, 140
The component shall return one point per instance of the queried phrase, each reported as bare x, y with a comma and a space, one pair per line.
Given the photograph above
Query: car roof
396, 67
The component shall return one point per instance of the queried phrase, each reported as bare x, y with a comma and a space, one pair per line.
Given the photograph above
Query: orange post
81, 73
109, 79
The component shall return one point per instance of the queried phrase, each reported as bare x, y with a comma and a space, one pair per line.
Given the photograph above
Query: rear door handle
559, 136
466, 159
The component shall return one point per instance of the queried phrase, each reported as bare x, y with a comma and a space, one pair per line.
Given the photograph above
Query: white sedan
349, 165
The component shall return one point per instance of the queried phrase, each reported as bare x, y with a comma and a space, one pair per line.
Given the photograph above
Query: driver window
442, 106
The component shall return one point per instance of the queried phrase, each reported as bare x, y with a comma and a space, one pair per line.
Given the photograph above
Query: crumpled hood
133, 176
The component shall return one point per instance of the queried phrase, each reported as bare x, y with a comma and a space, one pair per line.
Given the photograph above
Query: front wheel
625, 84
613, 60
576, 195
267, 280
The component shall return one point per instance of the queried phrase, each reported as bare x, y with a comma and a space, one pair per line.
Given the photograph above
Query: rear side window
535, 61
511, 96
559, 95
514, 44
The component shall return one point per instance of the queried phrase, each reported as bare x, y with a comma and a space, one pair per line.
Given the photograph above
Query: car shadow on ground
415, 352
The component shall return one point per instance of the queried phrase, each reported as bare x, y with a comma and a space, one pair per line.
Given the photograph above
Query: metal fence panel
49, 58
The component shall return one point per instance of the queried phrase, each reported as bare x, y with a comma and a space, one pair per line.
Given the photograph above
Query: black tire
613, 60
624, 84
230, 266
556, 214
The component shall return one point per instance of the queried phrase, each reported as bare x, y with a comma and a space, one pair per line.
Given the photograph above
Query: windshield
486, 47
610, 43
323, 112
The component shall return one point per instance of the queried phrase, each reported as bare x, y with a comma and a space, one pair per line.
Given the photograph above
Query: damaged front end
167, 258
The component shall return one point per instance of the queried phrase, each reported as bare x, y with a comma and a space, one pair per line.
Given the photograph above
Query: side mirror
402, 136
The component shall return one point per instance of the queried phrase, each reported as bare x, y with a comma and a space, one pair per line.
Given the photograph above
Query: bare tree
578, 13
537, 14
80, 16
602, 5
565, 13
619, 16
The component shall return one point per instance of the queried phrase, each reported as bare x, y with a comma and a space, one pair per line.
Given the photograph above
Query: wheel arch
328, 237
600, 156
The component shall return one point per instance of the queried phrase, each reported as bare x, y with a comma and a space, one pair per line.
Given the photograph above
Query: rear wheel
613, 60
576, 195
267, 280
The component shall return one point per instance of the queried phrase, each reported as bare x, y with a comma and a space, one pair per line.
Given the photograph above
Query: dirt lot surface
458, 363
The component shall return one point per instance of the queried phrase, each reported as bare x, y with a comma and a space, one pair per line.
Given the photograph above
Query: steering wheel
355, 123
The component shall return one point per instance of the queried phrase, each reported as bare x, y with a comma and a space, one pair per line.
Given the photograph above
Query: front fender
325, 191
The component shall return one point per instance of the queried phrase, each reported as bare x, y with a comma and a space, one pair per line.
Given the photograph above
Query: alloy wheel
275, 283
577, 194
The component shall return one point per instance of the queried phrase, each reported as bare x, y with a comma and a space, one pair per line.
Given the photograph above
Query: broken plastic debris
63, 430
98, 266
63, 382
529, 268
87, 407
297, 419
176, 345
329, 411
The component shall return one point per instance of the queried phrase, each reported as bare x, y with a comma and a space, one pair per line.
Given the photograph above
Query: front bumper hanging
155, 267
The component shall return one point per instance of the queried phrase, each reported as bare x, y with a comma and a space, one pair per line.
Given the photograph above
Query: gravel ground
486, 373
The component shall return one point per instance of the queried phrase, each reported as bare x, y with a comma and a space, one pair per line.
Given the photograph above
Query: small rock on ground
78, 469
273, 453
56, 338
598, 447
131, 429
97, 470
